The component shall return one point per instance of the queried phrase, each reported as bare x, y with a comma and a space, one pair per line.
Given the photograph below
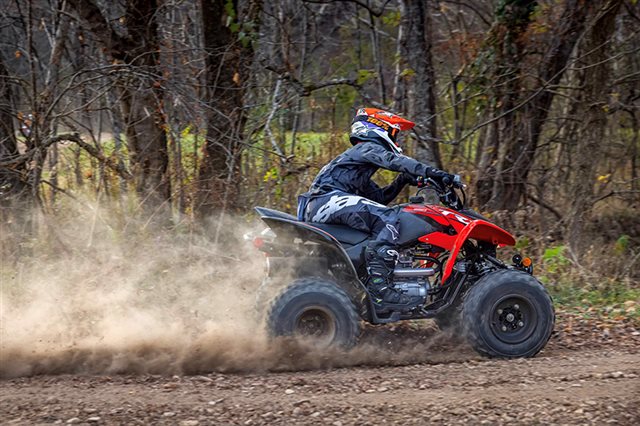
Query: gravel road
562, 386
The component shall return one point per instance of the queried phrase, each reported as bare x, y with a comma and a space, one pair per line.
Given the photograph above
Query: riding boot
381, 262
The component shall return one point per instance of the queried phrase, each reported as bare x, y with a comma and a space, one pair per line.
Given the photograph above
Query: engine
413, 281
413, 288
410, 280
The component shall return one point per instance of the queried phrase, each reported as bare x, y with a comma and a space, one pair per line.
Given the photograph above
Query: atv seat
412, 227
265, 212
342, 233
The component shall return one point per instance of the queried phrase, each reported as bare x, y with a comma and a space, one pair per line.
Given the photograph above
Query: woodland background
184, 112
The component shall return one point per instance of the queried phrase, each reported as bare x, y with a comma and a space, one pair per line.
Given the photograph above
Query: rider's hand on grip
410, 179
457, 182
449, 180
440, 176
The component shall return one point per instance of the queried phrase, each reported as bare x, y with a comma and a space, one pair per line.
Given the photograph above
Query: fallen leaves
589, 327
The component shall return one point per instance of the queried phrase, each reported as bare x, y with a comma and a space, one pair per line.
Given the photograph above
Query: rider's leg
341, 208
377, 219
381, 253
381, 260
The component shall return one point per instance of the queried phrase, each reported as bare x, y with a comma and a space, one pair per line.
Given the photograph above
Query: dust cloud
116, 298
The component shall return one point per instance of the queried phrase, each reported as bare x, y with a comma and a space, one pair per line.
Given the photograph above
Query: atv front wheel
315, 310
508, 314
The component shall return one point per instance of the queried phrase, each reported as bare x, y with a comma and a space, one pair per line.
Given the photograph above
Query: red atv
447, 258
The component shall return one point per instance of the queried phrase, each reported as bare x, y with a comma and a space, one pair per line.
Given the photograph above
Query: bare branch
544, 204
305, 89
71, 137
377, 12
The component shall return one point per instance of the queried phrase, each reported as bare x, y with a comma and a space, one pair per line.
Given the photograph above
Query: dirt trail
83, 332
560, 386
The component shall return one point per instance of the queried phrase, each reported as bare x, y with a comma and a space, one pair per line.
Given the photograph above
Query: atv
316, 278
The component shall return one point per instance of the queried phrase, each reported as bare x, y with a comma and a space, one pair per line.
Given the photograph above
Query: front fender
480, 230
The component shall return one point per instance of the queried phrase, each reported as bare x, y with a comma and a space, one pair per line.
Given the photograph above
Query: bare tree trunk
507, 43
61, 28
301, 68
634, 151
377, 58
13, 188
521, 152
116, 129
520, 114
397, 96
228, 64
597, 72
416, 54
142, 97
457, 125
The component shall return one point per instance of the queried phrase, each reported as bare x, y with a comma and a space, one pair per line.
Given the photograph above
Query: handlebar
446, 182
446, 190
455, 183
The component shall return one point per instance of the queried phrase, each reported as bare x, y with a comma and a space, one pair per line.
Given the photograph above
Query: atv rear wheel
267, 290
508, 314
315, 310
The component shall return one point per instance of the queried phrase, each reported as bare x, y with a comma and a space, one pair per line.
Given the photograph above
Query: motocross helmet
374, 123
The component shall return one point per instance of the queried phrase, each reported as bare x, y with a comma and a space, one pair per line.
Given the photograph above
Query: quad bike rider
349, 258
344, 194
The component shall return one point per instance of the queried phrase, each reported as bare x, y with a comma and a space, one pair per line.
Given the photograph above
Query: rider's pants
360, 213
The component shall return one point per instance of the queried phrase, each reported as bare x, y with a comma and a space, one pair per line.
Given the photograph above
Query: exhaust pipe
413, 272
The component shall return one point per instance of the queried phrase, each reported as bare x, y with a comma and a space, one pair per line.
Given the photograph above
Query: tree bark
521, 107
377, 58
592, 107
13, 187
417, 33
521, 152
507, 43
228, 62
142, 95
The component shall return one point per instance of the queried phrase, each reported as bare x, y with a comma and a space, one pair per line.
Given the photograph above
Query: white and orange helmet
374, 123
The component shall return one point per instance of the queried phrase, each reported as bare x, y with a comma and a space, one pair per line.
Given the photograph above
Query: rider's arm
386, 159
388, 193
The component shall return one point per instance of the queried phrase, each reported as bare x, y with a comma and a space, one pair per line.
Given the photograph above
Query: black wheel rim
513, 319
317, 325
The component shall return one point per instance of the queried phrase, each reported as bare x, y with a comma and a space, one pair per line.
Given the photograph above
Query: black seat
342, 233
411, 228
265, 212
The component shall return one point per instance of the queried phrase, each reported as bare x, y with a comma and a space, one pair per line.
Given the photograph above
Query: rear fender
480, 230
288, 230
